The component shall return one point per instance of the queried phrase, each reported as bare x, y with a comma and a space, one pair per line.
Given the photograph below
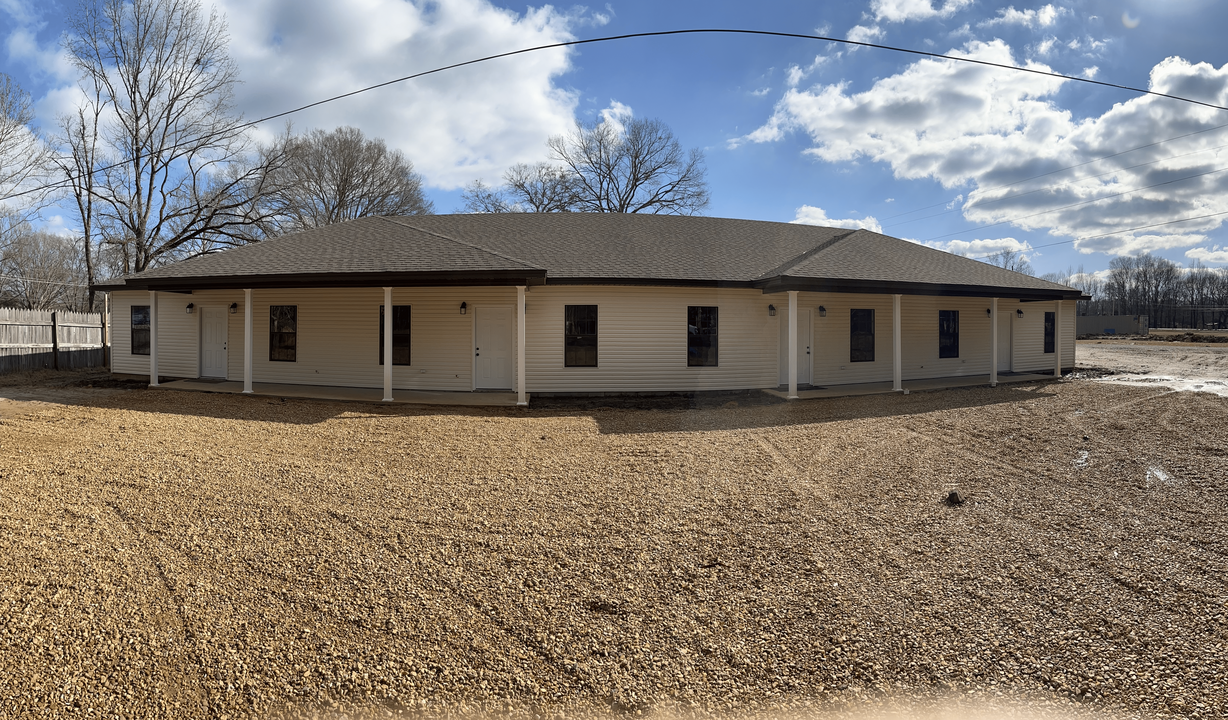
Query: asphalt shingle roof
518, 248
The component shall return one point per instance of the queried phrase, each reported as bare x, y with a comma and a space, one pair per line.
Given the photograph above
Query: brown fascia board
650, 282
333, 280
785, 283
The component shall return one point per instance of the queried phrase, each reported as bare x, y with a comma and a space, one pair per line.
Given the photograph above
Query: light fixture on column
190, 307
822, 311
988, 312
234, 308
464, 308
771, 311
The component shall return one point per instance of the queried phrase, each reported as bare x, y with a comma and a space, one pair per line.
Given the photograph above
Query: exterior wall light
234, 308
771, 311
464, 308
822, 311
988, 312
1019, 313
190, 307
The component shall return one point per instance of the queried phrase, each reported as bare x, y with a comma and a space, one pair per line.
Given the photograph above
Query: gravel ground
169, 554
1201, 368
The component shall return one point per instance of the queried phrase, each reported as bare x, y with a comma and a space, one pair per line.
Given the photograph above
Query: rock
954, 499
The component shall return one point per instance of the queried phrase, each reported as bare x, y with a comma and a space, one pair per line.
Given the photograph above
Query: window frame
697, 352
572, 340
1050, 332
134, 329
853, 335
402, 334
275, 335
948, 325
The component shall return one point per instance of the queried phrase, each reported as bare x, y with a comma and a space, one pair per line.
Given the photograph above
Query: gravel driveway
170, 554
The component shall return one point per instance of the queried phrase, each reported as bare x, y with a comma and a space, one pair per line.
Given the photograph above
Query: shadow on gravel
613, 414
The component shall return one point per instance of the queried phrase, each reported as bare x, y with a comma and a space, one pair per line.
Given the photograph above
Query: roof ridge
780, 269
394, 221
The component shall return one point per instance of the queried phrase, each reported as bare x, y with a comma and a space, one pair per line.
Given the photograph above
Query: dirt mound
1193, 338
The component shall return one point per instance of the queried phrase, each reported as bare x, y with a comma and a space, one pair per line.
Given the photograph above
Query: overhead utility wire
1108, 234
1085, 202
666, 33
1069, 167
990, 201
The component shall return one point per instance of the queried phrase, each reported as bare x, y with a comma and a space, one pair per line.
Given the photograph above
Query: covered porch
348, 394
919, 385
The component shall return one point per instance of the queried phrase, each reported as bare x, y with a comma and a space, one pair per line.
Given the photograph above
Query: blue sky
793, 130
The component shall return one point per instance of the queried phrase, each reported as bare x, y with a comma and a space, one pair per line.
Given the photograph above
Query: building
584, 303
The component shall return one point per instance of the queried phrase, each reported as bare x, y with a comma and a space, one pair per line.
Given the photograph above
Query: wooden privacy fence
58, 339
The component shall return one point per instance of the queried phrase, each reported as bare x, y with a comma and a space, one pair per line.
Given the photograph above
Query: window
580, 336
1050, 330
948, 333
400, 334
701, 336
861, 336
140, 329
283, 333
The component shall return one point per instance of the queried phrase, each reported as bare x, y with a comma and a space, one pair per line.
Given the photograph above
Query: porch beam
521, 398
247, 341
153, 338
387, 349
897, 352
792, 345
993, 340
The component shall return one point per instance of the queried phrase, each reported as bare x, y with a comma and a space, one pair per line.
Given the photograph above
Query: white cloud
811, 215
967, 125
1090, 72
1043, 17
903, 10
980, 248
616, 114
1046, 46
761, 91
861, 33
1217, 254
455, 126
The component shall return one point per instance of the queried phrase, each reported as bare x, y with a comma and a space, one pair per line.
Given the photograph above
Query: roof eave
441, 278
784, 283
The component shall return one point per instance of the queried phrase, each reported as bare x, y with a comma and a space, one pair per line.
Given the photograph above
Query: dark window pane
400, 334
1050, 329
948, 333
283, 333
861, 336
580, 335
140, 329
701, 336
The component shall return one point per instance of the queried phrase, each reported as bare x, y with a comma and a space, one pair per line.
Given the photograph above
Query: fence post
55, 342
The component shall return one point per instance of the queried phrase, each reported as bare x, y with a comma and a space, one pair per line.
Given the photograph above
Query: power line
1108, 234
662, 33
1070, 167
990, 201
1085, 202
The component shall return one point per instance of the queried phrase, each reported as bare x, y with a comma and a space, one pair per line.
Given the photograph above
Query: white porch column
153, 339
247, 340
897, 351
993, 339
1057, 338
387, 344
792, 345
520, 373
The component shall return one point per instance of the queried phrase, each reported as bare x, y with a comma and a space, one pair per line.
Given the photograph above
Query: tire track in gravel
185, 690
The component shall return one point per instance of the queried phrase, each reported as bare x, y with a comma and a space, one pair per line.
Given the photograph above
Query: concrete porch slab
884, 388
349, 394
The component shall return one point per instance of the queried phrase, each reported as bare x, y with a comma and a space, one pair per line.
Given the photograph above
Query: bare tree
1010, 260
42, 271
331, 177
162, 182
24, 160
636, 166
631, 167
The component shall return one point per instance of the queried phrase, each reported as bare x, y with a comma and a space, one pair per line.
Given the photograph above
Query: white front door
492, 348
213, 342
1004, 341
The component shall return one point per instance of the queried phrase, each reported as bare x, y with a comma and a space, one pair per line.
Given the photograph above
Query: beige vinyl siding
642, 340
178, 335
830, 351
338, 336
1029, 334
